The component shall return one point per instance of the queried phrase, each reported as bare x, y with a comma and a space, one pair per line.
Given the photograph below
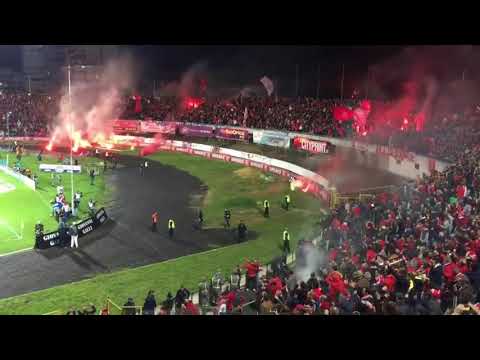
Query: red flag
138, 104
342, 113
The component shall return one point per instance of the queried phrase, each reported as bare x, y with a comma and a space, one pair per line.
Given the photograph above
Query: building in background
11, 80
44, 65
35, 67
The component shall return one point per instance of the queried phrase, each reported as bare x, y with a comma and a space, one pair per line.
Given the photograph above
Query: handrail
53, 312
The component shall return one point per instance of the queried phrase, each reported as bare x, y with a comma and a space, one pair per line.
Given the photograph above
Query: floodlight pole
71, 130
341, 83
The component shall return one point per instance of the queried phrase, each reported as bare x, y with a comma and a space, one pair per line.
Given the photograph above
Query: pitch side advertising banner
232, 134
158, 127
130, 126
312, 146
197, 130
60, 168
57, 238
271, 138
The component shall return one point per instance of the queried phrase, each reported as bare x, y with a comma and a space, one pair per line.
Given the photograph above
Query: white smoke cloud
94, 103
313, 260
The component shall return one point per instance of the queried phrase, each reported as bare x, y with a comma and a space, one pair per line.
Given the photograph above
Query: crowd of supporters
413, 250
444, 136
24, 114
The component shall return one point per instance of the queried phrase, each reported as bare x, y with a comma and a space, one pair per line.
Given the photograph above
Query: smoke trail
417, 78
94, 104
310, 260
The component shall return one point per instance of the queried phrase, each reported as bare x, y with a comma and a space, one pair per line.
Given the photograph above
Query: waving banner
268, 85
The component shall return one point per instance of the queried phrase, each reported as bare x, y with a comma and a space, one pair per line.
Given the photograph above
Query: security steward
287, 201
154, 221
286, 242
242, 231
171, 228
226, 216
266, 208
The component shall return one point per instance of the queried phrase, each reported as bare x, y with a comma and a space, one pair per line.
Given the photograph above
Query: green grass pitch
229, 185
21, 207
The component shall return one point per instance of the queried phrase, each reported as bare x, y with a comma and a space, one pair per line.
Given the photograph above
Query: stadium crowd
414, 250
25, 114
445, 135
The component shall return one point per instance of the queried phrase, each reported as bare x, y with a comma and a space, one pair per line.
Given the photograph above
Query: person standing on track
171, 228
287, 201
154, 221
286, 242
92, 176
266, 208
73, 236
200, 219
242, 231
141, 168
226, 216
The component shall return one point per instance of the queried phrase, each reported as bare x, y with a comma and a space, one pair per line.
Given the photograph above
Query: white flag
268, 85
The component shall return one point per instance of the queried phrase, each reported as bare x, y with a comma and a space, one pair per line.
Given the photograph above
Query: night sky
242, 65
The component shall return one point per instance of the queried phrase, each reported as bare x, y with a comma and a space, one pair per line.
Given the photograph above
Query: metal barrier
55, 312
194, 296
112, 306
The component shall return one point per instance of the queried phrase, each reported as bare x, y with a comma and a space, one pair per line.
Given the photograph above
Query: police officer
154, 221
203, 293
226, 216
171, 228
242, 231
287, 201
286, 242
217, 283
266, 208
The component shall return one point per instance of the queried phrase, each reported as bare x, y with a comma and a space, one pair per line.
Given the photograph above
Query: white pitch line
17, 251
8, 227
